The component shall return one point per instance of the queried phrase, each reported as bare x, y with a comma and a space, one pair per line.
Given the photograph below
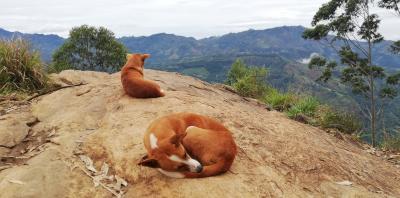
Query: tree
390, 4
339, 23
90, 48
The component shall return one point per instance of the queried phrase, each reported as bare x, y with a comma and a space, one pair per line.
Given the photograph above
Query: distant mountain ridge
285, 41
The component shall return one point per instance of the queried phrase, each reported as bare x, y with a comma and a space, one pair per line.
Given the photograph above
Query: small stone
393, 157
345, 183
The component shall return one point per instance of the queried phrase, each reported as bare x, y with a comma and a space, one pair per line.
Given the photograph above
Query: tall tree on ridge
341, 23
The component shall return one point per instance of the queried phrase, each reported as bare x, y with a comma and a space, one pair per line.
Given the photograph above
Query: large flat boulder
277, 157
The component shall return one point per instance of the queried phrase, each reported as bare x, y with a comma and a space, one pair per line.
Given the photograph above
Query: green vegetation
303, 108
342, 121
392, 143
345, 21
280, 101
21, 69
90, 48
248, 81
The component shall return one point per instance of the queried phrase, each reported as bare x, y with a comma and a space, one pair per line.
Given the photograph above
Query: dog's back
132, 79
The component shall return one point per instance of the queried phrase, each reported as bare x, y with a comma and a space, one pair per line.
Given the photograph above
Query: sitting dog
132, 78
171, 142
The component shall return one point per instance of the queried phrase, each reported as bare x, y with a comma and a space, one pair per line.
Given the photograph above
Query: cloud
307, 60
184, 17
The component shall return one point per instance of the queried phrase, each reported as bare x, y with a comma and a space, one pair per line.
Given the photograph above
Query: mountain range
282, 50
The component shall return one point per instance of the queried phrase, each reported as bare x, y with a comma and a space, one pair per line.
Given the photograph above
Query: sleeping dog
188, 145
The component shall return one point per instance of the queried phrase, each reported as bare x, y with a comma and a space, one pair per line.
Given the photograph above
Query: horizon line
127, 36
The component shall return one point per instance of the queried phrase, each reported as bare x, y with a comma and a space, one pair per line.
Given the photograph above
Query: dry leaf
102, 174
120, 182
88, 163
104, 169
97, 179
100, 178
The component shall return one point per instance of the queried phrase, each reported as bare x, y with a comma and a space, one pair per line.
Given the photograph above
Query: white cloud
184, 17
307, 60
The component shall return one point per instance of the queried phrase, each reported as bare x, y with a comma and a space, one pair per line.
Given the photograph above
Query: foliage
280, 101
20, 67
90, 48
247, 81
238, 71
305, 107
343, 121
392, 143
347, 21
390, 4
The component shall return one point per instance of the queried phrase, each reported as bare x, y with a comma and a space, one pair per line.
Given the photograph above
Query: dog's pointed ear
145, 56
145, 161
177, 139
128, 56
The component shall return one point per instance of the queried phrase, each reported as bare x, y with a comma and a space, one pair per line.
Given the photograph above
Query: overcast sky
197, 18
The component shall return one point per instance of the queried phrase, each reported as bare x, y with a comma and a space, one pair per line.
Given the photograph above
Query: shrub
249, 87
280, 101
392, 143
303, 109
20, 67
238, 71
248, 81
342, 121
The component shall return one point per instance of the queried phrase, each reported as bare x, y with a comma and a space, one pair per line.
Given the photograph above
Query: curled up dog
187, 145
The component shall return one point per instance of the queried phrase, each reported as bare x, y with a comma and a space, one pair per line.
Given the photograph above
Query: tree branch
53, 90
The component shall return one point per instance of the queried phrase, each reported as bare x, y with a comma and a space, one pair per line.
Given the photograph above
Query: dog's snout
199, 169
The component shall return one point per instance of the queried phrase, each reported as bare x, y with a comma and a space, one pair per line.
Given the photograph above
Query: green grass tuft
280, 101
21, 69
304, 108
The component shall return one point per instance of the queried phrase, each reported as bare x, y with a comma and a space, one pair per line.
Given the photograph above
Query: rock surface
13, 129
277, 157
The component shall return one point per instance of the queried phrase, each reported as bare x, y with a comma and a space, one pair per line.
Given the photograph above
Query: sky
195, 18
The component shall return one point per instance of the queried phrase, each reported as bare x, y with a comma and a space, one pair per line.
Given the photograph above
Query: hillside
277, 157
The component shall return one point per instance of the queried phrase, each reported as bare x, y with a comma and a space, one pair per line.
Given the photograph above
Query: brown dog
171, 142
132, 78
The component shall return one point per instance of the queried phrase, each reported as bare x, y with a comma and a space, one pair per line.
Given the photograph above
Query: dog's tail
211, 170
